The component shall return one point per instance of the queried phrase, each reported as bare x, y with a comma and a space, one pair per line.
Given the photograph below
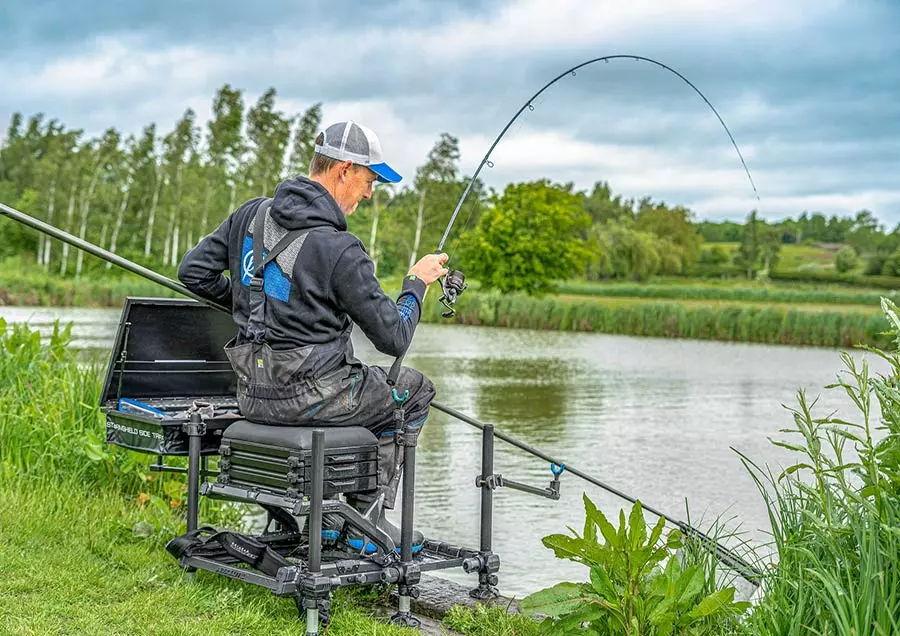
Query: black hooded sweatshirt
332, 283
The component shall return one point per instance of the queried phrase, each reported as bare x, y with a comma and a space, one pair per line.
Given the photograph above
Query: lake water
655, 418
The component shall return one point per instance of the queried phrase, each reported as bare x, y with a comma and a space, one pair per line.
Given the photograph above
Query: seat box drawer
303, 470
292, 484
293, 456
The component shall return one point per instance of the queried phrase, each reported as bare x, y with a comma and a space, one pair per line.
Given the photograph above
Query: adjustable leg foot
315, 612
404, 616
486, 589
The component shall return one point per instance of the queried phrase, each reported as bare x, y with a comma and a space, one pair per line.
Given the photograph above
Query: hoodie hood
302, 203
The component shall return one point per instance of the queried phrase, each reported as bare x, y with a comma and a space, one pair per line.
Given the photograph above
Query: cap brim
384, 173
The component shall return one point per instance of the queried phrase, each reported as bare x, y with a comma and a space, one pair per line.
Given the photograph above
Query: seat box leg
406, 589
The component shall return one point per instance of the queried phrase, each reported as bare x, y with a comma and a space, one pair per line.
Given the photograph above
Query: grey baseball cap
349, 141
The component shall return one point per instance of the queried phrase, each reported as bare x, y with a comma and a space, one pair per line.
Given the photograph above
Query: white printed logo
247, 265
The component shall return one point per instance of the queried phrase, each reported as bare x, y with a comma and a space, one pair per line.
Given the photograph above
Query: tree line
149, 197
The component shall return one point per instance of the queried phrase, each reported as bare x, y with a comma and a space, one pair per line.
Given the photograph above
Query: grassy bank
831, 317
20, 287
75, 562
83, 525
728, 322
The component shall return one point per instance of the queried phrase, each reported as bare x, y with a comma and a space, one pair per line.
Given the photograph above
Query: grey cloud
814, 105
59, 24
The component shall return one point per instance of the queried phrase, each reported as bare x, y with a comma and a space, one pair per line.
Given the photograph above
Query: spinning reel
453, 284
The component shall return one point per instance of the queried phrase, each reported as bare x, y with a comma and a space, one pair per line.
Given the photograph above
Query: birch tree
225, 145
104, 169
178, 147
304, 140
440, 169
268, 133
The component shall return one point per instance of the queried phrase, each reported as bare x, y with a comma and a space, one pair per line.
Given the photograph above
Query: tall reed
736, 323
739, 293
51, 427
835, 513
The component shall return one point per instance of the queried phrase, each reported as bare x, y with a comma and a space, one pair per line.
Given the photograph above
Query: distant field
793, 256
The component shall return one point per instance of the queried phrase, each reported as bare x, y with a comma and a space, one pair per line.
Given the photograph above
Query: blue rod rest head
557, 469
398, 398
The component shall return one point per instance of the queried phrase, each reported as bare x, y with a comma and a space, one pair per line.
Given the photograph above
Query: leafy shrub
875, 263
630, 592
716, 255
845, 260
891, 265
531, 235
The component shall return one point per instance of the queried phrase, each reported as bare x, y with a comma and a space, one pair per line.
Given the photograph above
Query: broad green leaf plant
637, 584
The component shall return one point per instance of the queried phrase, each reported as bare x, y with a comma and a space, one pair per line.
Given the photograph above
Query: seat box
168, 355
277, 459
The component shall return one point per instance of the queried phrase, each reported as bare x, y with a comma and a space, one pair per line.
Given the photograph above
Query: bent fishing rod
722, 553
453, 284
529, 104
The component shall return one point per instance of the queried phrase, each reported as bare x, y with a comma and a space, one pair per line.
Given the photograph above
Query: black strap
256, 321
259, 228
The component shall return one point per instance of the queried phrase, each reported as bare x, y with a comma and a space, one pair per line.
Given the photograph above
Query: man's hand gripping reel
452, 285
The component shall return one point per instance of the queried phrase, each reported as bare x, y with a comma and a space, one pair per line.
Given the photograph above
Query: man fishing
299, 281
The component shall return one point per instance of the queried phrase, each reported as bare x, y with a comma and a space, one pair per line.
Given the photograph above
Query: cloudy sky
809, 88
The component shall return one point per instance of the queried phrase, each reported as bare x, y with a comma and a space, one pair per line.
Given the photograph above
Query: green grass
489, 621
72, 564
83, 524
835, 513
798, 256
791, 256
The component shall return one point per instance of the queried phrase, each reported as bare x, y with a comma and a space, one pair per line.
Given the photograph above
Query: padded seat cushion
299, 437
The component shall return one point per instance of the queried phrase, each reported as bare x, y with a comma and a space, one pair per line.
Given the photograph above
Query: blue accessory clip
557, 469
397, 398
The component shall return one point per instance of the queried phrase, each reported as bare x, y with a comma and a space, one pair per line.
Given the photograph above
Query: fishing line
530, 105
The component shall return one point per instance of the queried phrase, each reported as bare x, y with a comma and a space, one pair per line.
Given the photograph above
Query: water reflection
655, 418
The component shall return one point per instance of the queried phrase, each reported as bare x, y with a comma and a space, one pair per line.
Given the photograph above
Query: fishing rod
454, 283
723, 554
529, 104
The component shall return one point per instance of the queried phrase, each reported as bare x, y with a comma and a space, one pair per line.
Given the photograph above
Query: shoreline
723, 322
